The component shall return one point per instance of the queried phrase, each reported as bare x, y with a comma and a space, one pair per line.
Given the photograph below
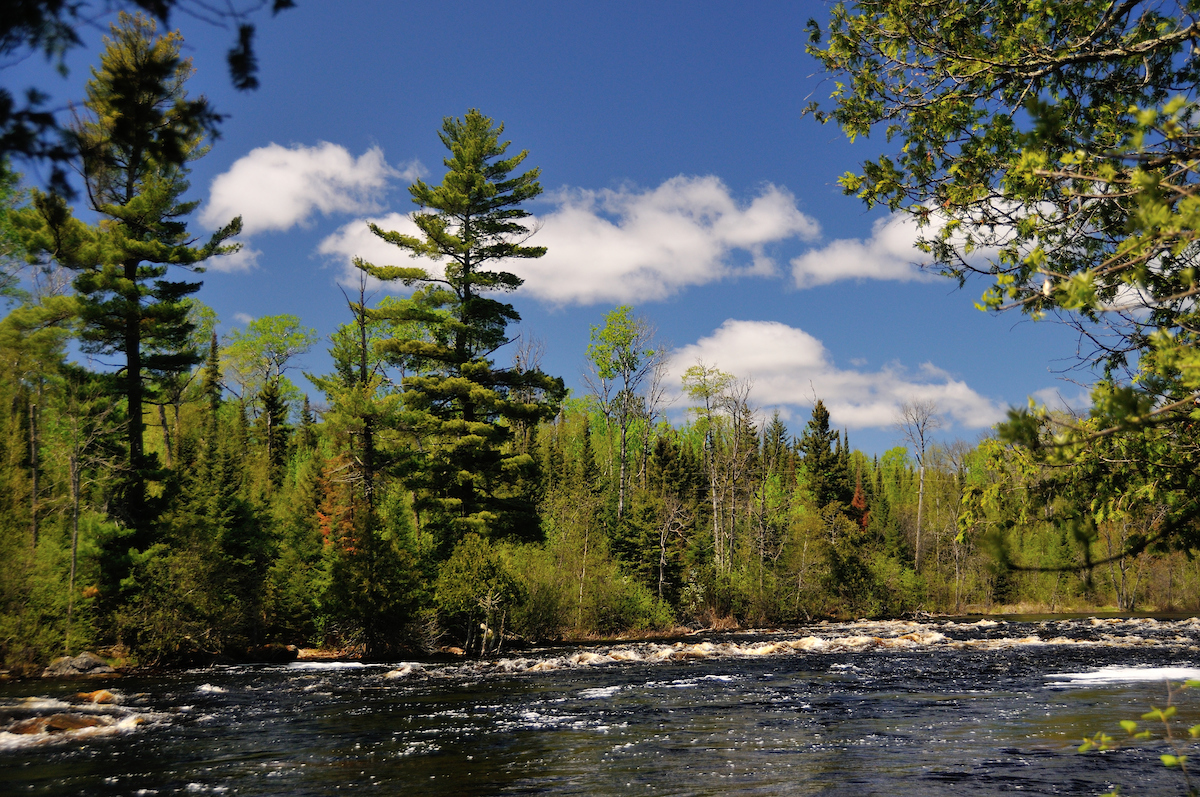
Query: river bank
940, 706
120, 663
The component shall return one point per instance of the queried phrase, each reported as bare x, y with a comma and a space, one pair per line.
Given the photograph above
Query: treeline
261, 532
170, 496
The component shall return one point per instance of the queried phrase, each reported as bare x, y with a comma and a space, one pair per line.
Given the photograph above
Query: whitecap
1117, 674
405, 670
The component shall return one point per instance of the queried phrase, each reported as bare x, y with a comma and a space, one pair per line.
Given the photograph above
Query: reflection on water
939, 707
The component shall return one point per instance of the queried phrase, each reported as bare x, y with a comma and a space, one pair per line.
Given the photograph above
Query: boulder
86, 664
57, 723
99, 696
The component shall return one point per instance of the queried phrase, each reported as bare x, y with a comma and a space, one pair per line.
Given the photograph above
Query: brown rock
99, 696
57, 723
73, 722
29, 726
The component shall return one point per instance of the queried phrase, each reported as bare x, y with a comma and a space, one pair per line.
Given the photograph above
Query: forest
170, 496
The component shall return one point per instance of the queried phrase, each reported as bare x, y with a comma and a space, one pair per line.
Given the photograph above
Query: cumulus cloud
355, 239
889, 254
628, 245
244, 259
635, 245
790, 368
277, 188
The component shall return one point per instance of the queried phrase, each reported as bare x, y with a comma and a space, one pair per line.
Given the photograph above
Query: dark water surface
937, 707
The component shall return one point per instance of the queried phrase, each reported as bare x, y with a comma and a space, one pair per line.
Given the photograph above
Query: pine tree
139, 128
465, 408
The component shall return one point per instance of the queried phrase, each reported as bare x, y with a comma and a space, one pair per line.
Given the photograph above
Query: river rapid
938, 707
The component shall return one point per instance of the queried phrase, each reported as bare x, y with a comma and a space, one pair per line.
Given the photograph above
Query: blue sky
680, 178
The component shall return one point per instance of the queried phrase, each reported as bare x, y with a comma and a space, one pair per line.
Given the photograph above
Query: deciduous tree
624, 362
1052, 148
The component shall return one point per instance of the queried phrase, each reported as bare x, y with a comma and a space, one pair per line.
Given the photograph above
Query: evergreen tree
825, 460
369, 594
775, 444
138, 130
307, 439
272, 429
464, 407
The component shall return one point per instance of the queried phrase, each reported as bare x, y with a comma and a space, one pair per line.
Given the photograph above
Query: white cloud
1055, 400
625, 245
631, 245
355, 239
889, 254
244, 259
789, 368
276, 188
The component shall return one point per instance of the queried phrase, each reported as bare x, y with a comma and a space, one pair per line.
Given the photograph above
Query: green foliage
438, 497
624, 379
263, 351
1048, 147
12, 252
138, 130
463, 409
476, 590
1171, 738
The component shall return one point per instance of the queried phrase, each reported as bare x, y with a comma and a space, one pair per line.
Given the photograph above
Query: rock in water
83, 664
57, 723
99, 696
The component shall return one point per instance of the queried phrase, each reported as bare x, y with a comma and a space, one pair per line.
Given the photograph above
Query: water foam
846, 638
1123, 675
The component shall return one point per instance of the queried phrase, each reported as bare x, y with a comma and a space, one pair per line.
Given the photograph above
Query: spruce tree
825, 459
463, 406
272, 430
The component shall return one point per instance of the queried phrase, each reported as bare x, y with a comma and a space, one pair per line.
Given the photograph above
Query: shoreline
284, 654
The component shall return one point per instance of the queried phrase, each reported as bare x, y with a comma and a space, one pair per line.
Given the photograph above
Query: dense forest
168, 495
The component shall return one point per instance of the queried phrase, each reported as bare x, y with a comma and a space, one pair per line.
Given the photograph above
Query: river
938, 707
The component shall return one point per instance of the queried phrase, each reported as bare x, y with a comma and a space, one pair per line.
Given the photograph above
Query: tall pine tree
464, 407
137, 130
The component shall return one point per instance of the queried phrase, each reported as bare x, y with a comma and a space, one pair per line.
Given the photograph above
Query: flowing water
935, 707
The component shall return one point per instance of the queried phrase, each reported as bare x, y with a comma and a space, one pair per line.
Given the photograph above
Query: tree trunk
920, 512
621, 480
166, 433
33, 474
582, 577
74, 464
135, 502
